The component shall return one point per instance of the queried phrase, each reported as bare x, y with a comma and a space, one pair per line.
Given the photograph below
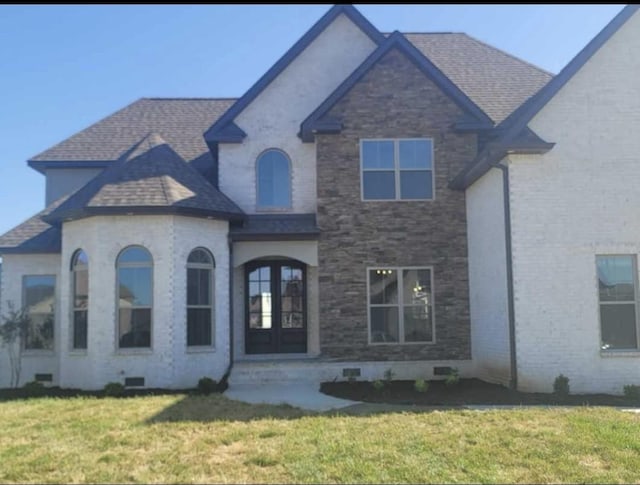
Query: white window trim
636, 293
400, 306
274, 208
212, 281
134, 350
397, 170
43, 352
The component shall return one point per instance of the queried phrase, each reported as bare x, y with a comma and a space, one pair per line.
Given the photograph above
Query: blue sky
65, 67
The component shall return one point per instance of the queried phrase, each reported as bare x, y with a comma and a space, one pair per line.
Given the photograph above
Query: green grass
204, 439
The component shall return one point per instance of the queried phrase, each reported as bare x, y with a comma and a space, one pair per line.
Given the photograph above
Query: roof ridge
188, 98
512, 56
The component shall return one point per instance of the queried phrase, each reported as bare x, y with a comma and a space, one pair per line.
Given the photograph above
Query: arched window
135, 297
200, 288
274, 180
80, 301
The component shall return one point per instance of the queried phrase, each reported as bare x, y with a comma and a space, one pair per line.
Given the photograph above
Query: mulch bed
467, 391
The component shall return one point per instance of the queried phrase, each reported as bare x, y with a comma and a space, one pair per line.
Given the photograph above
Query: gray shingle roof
496, 81
33, 235
150, 178
181, 122
276, 226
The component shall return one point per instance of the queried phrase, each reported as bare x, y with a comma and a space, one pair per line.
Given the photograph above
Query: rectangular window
400, 305
39, 301
199, 306
397, 169
617, 284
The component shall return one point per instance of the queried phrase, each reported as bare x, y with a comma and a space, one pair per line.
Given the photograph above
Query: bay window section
80, 302
200, 268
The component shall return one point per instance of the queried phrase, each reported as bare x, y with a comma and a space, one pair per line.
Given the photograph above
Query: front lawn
180, 438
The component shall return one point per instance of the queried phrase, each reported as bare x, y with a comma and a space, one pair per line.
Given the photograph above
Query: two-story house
413, 201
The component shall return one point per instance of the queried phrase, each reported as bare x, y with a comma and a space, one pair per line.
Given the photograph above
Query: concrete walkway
304, 395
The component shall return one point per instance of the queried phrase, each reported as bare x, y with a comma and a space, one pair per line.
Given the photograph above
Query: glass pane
416, 184
39, 294
80, 259
416, 286
292, 320
199, 256
198, 286
378, 185
415, 154
615, 278
273, 180
199, 326
384, 324
40, 331
135, 286
135, 327
618, 326
377, 154
80, 329
383, 286
81, 288
135, 255
417, 324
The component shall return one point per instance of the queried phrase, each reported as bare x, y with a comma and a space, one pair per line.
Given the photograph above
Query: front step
281, 371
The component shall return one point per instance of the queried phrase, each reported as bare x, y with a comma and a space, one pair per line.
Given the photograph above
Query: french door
276, 300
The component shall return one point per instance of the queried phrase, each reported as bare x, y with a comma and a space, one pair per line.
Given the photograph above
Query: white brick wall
14, 267
578, 200
488, 278
273, 119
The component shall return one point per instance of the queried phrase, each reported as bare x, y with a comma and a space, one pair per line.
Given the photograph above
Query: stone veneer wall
393, 100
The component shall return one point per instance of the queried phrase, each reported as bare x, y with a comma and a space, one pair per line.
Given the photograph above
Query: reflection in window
274, 184
38, 301
617, 295
200, 268
80, 272
400, 305
135, 299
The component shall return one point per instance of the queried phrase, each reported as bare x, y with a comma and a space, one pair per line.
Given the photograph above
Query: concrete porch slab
304, 395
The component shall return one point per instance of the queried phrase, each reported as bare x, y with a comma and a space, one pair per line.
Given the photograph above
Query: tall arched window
274, 180
200, 288
135, 297
80, 302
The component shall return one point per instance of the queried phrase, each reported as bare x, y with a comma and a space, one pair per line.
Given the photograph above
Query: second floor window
397, 169
273, 172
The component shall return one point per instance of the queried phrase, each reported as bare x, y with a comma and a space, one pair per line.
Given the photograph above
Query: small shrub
113, 389
206, 385
34, 389
378, 385
421, 385
453, 378
561, 386
389, 375
632, 392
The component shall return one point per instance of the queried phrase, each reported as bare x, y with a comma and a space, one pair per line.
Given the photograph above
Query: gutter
224, 382
513, 383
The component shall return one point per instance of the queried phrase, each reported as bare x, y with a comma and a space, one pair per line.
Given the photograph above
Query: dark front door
276, 307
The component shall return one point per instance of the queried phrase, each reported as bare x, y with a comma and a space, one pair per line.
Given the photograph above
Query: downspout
513, 383
225, 378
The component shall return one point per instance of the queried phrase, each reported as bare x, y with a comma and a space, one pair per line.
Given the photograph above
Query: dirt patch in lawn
467, 391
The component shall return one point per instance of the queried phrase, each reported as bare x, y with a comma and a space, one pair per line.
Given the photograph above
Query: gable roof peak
219, 131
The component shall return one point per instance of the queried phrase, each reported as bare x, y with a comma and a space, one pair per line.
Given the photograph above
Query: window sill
620, 353
401, 343
38, 353
78, 352
133, 351
204, 349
